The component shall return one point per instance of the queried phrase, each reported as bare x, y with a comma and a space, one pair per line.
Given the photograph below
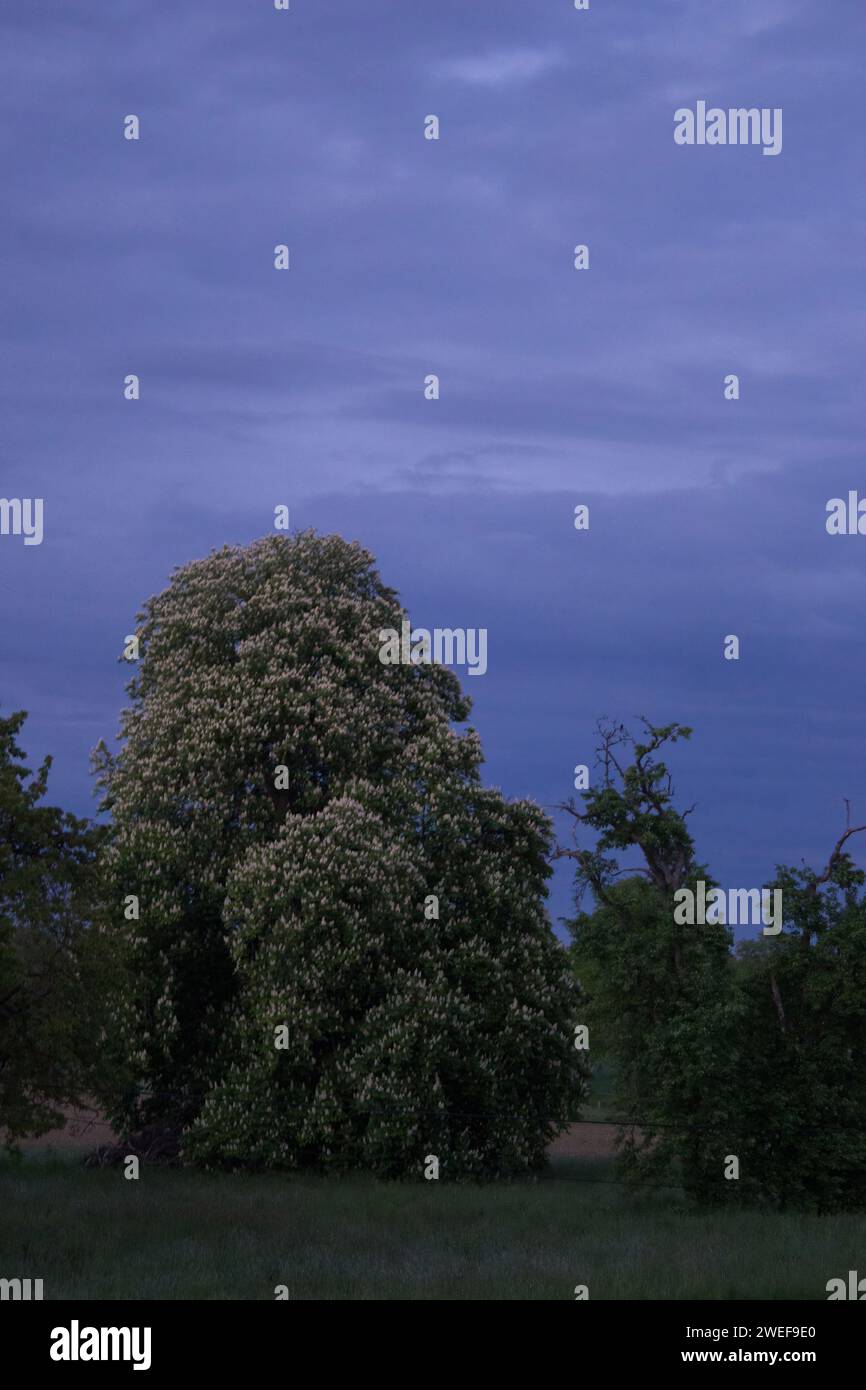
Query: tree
54, 962
803, 1040
661, 993
317, 865
758, 1056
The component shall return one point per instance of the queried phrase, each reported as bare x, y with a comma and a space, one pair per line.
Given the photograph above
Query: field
91, 1234
177, 1234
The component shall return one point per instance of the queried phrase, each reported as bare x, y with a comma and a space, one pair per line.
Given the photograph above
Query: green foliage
668, 1028
54, 962
802, 1041
265, 904
757, 1055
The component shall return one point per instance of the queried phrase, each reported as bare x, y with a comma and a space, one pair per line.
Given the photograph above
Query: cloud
759, 16
497, 68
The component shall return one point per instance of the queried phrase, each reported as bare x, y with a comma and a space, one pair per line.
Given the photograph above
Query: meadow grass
178, 1234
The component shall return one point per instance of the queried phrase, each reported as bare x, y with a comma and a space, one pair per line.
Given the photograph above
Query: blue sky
558, 387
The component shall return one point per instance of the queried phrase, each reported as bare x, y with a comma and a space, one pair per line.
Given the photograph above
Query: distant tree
54, 962
342, 957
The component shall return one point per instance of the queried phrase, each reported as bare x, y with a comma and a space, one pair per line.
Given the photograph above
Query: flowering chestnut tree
335, 943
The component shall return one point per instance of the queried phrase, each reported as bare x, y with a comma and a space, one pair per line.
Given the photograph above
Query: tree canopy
336, 945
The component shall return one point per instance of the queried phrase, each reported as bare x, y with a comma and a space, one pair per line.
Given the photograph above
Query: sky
409, 257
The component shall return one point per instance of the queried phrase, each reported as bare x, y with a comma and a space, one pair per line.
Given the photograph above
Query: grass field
181, 1235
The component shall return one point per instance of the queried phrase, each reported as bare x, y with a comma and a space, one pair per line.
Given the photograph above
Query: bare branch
835, 856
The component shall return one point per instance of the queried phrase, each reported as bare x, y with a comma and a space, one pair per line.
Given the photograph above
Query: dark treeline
754, 1055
